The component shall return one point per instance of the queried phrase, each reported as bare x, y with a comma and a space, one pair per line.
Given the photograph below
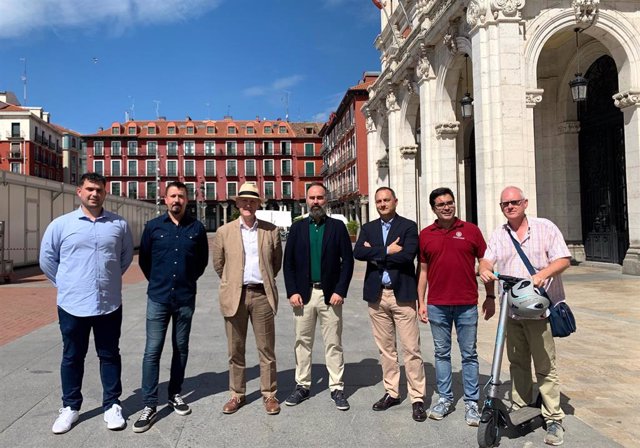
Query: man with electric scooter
542, 243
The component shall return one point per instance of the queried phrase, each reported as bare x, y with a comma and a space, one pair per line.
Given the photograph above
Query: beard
317, 212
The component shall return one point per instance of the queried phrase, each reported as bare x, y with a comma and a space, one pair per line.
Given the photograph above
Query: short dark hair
317, 184
439, 192
393, 193
93, 177
177, 184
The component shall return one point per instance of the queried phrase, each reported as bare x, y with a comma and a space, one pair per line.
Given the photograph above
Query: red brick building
213, 158
344, 151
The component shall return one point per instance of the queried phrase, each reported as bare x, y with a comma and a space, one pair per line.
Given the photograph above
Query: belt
254, 286
316, 285
388, 286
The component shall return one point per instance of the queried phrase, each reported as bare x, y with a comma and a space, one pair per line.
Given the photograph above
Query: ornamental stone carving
569, 127
423, 69
383, 162
450, 37
533, 97
627, 99
447, 130
392, 103
508, 7
586, 11
476, 12
409, 151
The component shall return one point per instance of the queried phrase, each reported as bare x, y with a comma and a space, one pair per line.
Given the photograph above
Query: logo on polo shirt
458, 235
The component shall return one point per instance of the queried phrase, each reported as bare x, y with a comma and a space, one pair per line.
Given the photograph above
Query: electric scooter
495, 414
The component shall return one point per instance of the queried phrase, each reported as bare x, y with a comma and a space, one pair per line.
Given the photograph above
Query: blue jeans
465, 317
158, 317
75, 340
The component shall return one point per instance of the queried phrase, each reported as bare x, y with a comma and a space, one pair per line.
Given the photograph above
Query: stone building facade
578, 162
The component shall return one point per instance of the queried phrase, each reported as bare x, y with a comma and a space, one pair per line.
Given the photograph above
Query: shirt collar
457, 223
246, 227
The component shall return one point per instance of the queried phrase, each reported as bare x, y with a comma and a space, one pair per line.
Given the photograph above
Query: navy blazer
336, 265
400, 266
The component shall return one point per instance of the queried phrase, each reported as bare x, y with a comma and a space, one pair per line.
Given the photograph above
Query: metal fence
28, 204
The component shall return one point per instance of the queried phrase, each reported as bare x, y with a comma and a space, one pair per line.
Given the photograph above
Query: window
267, 130
116, 148
152, 190
15, 129
15, 150
285, 148
210, 148
151, 130
189, 167
132, 188
285, 167
309, 149
268, 189
115, 130
131, 130
268, 148
286, 190
152, 148
251, 130
209, 167
36, 170
98, 166
210, 191
191, 190
116, 168
172, 148
232, 167
98, 148
250, 148
152, 167
171, 130
231, 129
116, 188
132, 148
132, 167
232, 189
282, 130
309, 168
211, 129
190, 130
250, 168
189, 148
268, 167
172, 168
231, 148
16, 167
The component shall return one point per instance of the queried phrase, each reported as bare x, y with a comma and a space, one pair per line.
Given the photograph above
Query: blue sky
90, 61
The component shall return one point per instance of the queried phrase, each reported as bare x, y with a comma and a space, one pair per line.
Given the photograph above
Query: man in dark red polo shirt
448, 252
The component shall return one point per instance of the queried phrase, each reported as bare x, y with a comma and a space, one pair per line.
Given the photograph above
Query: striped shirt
542, 244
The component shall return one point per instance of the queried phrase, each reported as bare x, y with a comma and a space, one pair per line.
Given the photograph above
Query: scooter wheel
487, 433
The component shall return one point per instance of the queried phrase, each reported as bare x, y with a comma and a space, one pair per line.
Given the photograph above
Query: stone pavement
599, 368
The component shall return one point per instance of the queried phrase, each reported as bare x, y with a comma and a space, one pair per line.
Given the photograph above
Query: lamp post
578, 84
466, 102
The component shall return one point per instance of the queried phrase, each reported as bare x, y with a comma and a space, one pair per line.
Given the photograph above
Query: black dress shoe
385, 403
419, 414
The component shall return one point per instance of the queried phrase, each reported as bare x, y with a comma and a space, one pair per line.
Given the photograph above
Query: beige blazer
228, 262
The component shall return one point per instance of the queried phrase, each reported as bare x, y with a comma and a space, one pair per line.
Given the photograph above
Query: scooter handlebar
508, 280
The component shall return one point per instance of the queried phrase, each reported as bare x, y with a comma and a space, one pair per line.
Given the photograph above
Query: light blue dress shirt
385, 232
85, 260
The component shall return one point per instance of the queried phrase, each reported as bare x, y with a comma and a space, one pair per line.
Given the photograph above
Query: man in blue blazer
318, 264
389, 246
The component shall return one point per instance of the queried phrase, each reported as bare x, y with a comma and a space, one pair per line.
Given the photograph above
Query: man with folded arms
247, 256
389, 246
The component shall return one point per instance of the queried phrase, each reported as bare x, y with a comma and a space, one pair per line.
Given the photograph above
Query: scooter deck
523, 415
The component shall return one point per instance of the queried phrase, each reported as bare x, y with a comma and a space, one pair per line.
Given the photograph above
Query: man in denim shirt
85, 253
173, 255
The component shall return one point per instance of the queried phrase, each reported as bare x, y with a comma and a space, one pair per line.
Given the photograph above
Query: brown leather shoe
271, 405
233, 405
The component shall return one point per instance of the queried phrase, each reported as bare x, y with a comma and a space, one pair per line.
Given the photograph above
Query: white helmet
526, 302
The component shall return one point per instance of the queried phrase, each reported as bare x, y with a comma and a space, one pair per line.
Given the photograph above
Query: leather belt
316, 285
254, 286
389, 286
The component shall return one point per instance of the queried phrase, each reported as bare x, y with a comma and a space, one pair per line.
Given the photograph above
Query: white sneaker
65, 420
114, 418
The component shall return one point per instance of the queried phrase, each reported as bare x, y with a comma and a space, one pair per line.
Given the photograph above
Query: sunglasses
515, 203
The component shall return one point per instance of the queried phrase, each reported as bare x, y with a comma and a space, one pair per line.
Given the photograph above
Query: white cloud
20, 17
278, 85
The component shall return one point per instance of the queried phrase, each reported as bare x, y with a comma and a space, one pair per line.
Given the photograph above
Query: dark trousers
75, 338
158, 317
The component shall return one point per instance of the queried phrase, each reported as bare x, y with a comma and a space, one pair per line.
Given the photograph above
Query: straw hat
250, 191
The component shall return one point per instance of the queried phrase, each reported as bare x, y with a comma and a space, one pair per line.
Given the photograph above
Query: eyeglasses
442, 205
515, 203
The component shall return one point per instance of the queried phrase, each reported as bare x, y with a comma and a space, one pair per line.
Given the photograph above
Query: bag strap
524, 259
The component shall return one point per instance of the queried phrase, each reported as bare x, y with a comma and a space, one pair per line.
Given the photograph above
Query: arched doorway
605, 223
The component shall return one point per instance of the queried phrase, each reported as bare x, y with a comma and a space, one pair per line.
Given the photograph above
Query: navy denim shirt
173, 257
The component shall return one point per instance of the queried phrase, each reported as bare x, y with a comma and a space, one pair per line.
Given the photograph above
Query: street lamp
578, 84
466, 102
